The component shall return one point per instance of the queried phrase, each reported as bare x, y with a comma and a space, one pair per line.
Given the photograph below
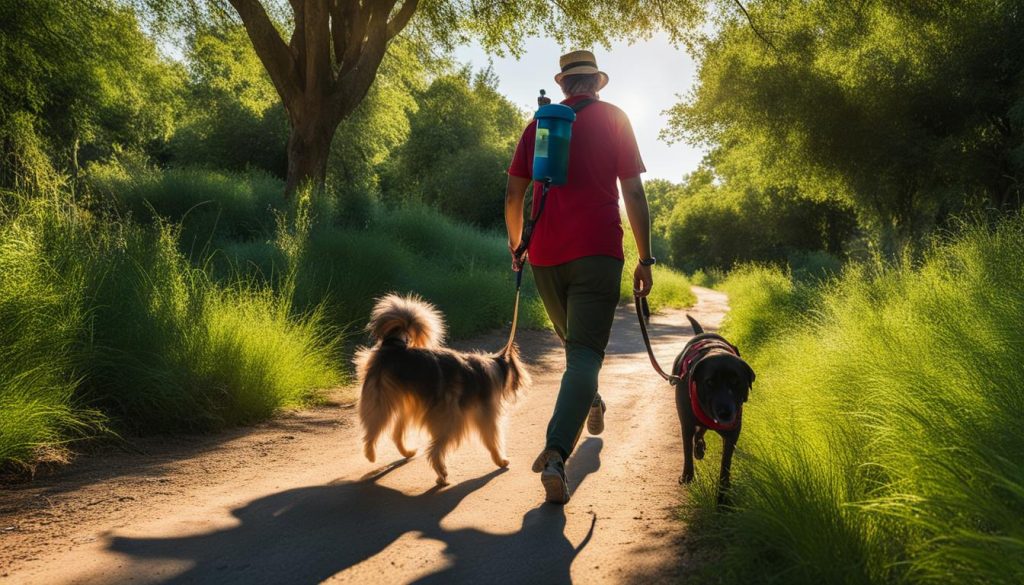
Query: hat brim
584, 70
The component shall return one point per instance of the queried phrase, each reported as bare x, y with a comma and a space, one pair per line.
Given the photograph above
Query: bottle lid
559, 111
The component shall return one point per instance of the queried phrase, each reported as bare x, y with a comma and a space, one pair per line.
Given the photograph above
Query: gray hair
581, 83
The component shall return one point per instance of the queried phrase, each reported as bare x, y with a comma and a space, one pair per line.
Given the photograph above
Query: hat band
579, 64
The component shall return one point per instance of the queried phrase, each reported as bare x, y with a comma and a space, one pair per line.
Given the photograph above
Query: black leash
519, 253
524, 241
670, 378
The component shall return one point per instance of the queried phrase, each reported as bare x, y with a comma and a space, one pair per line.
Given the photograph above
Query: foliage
880, 443
704, 224
106, 320
460, 141
671, 288
80, 80
911, 112
208, 206
230, 102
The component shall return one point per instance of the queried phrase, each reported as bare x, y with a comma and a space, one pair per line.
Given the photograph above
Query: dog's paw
502, 463
442, 480
371, 453
408, 453
686, 478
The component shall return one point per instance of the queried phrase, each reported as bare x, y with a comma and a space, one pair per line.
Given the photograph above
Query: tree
79, 80
460, 141
911, 111
335, 47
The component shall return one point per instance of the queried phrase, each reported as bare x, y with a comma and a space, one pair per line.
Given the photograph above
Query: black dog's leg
728, 446
689, 428
699, 446
688, 432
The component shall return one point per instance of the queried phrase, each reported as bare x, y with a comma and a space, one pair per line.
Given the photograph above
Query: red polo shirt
581, 218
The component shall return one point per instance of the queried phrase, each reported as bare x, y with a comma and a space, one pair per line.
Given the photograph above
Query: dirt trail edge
294, 501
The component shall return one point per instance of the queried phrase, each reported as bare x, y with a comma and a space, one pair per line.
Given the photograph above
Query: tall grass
106, 320
883, 438
671, 287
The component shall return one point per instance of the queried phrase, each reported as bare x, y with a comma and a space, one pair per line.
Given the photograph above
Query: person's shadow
306, 535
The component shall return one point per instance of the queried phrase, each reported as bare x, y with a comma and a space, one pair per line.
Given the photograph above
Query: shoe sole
555, 488
595, 420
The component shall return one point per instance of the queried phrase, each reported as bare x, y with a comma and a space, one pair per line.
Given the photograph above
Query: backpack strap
582, 104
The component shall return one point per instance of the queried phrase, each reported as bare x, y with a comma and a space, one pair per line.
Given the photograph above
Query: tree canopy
323, 55
912, 112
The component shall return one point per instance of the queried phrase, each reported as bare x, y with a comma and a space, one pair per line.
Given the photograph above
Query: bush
102, 316
671, 288
209, 205
718, 228
882, 440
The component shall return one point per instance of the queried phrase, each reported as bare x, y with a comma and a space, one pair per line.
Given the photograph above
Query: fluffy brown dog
410, 380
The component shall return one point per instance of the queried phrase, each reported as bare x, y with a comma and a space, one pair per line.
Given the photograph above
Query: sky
645, 79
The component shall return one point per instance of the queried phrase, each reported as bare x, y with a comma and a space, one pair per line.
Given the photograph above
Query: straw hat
580, 63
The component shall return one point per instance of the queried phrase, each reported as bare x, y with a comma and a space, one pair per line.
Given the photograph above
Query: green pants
580, 297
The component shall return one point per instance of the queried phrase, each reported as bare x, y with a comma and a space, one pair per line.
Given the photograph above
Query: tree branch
343, 14
356, 79
754, 28
401, 19
317, 33
357, 27
269, 47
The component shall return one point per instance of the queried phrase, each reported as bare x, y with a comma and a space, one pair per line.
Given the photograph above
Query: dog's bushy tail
410, 318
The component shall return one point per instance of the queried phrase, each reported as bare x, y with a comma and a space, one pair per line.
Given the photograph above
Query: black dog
714, 383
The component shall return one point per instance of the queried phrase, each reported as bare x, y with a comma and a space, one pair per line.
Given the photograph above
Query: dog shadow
307, 535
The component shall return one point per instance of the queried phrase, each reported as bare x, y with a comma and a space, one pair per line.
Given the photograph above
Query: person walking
576, 251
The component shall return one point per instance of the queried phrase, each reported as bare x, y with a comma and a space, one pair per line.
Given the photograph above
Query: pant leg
553, 288
591, 298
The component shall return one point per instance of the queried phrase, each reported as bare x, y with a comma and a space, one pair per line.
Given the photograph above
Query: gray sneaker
552, 476
595, 420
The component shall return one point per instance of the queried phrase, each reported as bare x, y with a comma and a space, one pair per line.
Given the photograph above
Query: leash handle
670, 378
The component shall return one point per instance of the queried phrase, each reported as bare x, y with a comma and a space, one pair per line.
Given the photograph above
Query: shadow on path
306, 535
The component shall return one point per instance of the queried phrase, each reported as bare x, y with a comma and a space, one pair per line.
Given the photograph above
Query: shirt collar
578, 98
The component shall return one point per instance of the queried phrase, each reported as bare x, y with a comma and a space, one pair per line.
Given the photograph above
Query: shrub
882, 440
108, 317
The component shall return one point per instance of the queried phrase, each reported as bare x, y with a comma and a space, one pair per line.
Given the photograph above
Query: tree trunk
324, 70
309, 146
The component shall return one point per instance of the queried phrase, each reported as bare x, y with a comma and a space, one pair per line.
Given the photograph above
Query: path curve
293, 501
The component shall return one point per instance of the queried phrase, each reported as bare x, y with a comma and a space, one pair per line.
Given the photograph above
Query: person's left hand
642, 280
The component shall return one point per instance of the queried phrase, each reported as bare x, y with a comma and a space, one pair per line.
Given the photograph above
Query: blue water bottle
551, 150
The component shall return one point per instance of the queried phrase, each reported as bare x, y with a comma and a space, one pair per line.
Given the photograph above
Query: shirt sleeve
629, 164
522, 160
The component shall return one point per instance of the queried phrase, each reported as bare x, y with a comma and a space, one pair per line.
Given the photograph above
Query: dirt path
293, 500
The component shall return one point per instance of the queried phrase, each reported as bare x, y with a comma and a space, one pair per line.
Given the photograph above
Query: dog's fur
409, 379
723, 385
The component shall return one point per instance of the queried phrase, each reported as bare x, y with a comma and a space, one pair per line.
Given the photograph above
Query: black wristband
649, 261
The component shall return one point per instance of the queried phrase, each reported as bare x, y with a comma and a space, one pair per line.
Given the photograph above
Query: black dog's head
723, 384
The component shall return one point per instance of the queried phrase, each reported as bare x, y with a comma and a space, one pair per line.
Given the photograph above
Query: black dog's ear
750, 373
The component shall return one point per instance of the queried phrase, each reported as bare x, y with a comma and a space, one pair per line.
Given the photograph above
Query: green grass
671, 288
883, 438
106, 323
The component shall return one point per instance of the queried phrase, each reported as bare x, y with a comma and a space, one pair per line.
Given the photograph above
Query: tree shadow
306, 535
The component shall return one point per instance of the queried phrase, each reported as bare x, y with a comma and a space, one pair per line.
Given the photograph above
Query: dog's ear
750, 373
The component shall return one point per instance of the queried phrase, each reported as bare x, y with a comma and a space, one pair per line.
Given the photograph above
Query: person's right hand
642, 280
517, 263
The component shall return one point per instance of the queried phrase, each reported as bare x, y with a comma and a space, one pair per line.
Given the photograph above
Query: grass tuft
882, 442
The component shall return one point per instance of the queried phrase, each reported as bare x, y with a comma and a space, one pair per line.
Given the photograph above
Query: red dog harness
694, 354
